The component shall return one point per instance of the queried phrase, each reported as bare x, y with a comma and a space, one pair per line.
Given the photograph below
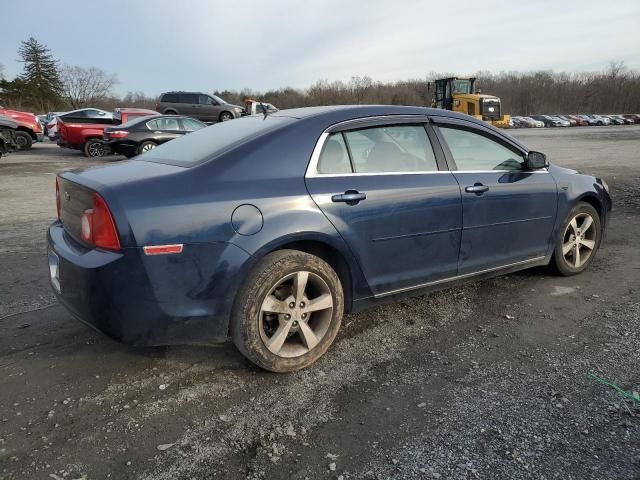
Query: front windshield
218, 99
461, 86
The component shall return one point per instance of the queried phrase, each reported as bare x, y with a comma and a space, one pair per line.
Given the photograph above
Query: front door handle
477, 188
350, 197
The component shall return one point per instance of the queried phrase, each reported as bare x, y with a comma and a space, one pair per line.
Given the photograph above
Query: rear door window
170, 98
168, 123
188, 98
391, 149
191, 124
205, 100
386, 149
334, 158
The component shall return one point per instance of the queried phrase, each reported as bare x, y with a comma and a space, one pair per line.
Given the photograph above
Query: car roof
184, 91
327, 116
133, 110
348, 112
143, 119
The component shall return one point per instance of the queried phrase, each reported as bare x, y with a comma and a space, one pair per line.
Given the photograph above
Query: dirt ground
485, 381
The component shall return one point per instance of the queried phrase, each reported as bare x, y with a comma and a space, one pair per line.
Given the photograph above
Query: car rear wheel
288, 313
226, 116
93, 148
24, 140
579, 241
146, 146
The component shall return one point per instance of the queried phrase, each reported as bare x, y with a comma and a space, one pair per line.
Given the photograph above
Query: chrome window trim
312, 168
458, 277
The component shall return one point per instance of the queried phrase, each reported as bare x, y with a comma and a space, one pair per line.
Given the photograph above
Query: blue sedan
269, 228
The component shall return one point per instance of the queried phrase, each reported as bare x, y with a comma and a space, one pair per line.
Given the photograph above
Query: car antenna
264, 110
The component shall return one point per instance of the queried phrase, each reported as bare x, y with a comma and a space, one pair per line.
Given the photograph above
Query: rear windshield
211, 142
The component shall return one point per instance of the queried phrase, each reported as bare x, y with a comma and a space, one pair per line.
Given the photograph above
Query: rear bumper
147, 300
121, 148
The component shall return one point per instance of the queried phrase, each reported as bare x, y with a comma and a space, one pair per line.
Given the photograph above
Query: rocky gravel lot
486, 381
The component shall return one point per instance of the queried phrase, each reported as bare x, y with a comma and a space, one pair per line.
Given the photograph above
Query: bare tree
84, 86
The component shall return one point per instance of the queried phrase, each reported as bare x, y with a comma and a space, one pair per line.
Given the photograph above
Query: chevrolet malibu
269, 228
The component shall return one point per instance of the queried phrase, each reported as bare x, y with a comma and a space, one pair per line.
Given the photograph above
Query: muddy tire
288, 312
578, 241
94, 148
24, 140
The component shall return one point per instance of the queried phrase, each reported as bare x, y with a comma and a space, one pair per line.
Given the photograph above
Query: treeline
45, 85
614, 90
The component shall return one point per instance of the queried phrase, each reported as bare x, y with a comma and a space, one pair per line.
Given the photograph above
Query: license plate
54, 270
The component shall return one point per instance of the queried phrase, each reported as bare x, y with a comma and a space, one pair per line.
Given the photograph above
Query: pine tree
41, 74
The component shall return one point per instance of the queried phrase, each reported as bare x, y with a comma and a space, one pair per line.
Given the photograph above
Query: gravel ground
485, 381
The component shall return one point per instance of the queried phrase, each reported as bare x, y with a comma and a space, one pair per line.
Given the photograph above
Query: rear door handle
477, 188
350, 197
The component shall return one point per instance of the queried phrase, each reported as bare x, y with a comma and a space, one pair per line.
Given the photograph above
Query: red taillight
117, 134
58, 196
98, 227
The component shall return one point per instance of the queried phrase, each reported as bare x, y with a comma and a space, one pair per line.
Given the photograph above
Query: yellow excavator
459, 95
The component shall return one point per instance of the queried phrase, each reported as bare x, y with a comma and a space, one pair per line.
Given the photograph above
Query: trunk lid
122, 186
74, 200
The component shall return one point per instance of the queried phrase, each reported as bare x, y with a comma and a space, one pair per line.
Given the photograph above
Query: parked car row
129, 131
573, 120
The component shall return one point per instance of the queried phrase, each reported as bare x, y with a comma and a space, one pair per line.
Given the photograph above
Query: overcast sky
160, 45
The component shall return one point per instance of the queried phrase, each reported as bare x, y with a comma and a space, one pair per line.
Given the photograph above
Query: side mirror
536, 160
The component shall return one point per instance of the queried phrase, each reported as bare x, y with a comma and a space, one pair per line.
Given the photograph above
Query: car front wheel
579, 241
24, 140
226, 116
289, 311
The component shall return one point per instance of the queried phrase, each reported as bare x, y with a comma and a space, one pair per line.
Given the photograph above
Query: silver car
204, 107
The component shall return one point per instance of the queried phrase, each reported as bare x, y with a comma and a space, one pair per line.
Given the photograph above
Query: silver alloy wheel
96, 149
296, 314
579, 240
148, 146
225, 117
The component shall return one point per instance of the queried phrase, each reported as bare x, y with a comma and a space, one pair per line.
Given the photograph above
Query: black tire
94, 148
249, 323
24, 140
170, 112
560, 261
146, 146
225, 116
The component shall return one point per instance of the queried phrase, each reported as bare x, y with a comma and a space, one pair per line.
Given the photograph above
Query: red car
29, 128
86, 133
580, 122
634, 117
